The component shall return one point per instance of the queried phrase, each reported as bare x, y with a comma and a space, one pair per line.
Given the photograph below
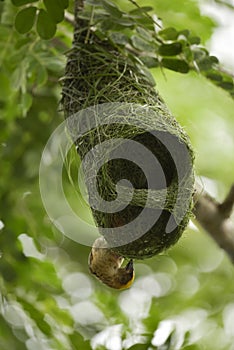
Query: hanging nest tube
137, 160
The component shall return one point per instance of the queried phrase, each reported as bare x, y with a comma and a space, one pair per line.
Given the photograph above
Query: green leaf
56, 64
199, 53
22, 2
5, 88
112, 9
22, 42
169, 33
227, 85
214, 59
36, 315
125, 22
146, 22
144, 33
8, 12
215, 76
187, 53
39, 73
184, 32
205, 64
141, 44
139, 347
25, 19
94, 2
150, 62
194, 40
46, 28
55, 11
26, 103
175, 65
141, 10
170, 49
42, 75
77, 338
19, 77
119, 38
118, 25
147, 74
63, 3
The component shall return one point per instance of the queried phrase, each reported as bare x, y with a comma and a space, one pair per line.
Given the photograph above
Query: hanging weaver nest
121, 127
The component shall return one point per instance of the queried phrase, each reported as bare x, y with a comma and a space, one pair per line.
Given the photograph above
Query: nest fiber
137, 160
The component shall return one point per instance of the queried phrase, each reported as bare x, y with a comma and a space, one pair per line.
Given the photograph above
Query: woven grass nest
103, 87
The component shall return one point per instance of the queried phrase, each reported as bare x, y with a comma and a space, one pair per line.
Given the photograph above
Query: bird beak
129, 266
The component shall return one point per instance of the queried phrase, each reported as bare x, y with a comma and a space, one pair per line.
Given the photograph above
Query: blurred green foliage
182, 299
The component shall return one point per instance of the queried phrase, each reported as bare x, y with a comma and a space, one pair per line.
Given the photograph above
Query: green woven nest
98, 75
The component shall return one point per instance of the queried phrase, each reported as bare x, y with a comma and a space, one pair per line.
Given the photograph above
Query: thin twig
225, 71
145, 13
69, 17
215, 218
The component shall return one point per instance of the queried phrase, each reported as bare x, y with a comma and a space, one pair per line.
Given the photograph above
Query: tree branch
215, 218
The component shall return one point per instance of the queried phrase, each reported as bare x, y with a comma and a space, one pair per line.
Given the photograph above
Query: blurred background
181, 299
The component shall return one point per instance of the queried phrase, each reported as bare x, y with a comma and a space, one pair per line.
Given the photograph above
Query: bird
106, 264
